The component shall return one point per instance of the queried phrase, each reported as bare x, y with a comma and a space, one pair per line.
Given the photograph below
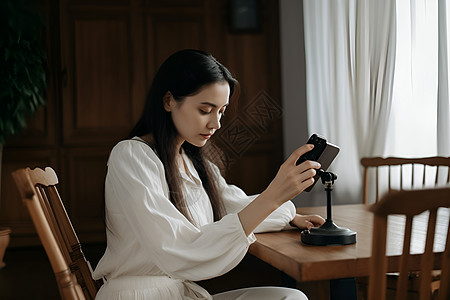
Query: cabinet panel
252, 172
102, 74
167, 34
97, 103
38, 131
84, 177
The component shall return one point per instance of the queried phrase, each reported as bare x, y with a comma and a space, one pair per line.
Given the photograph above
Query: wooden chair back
73, 272
410, 203
397, 173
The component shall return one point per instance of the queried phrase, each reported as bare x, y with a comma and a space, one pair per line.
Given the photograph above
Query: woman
171, 218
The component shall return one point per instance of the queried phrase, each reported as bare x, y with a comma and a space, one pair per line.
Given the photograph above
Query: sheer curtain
350, 56
420, 123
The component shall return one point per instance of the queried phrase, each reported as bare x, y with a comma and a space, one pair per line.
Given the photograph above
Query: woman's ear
168, 101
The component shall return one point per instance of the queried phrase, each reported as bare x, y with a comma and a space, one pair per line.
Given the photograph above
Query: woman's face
197, 117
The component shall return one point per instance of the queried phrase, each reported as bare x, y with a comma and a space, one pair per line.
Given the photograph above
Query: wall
293, 74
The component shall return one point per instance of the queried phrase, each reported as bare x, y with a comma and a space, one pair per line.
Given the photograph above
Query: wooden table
285, 251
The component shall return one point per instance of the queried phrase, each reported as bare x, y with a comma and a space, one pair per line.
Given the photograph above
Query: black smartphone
323, 152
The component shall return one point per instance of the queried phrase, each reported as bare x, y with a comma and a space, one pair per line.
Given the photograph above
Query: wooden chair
396, 173
72, 271
383, 175
410, 203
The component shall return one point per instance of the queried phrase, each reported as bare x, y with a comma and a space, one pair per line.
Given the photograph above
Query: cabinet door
96, 53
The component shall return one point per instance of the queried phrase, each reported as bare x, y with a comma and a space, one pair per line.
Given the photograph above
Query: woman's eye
204, 112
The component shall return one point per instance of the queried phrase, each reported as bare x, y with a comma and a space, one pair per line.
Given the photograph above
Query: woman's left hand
307, 221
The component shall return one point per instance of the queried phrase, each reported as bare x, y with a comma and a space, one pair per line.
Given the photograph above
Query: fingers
299, 152
307, 221
307, 171
316, 220
308, 168
292, 179
305, 183
304, 175
308, 225
293, 158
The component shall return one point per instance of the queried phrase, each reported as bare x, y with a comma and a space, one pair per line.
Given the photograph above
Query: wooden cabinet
96, 61
102, 57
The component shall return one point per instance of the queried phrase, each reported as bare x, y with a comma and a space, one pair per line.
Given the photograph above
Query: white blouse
148, 236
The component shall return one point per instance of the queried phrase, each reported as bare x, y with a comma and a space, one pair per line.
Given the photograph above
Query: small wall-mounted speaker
245, 16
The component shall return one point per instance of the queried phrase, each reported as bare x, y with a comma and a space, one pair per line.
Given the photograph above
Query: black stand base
328, 234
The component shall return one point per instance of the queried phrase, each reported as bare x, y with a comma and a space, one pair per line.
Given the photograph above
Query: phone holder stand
329, 233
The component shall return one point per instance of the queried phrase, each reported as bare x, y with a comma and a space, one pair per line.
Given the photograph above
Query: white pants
165, 288
261, 293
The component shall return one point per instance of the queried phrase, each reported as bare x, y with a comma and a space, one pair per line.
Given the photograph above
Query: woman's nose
214, 122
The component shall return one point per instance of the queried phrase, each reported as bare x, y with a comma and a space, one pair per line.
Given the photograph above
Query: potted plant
22, 75
22, 67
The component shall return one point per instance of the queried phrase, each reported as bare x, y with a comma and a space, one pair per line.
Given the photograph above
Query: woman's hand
307, 221
291, 178
290, 181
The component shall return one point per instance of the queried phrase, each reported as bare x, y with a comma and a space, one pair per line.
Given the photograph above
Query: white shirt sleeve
136, 187
235, 199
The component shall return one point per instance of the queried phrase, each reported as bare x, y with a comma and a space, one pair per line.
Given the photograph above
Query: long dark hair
184, 73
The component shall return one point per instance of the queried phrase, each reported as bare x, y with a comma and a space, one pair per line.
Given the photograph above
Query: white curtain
350, 56
420, 120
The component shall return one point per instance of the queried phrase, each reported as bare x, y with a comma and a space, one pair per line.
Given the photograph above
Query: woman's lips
206, 136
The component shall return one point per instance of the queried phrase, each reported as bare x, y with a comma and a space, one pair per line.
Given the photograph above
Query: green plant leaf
23, 78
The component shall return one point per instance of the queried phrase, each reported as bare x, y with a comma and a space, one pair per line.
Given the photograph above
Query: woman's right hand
290, 181
291, 178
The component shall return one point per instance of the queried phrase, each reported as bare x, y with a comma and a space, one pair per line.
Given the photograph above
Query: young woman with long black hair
171, 217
